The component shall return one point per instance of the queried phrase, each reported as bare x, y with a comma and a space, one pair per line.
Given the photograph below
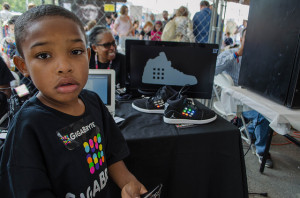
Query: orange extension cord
296, 134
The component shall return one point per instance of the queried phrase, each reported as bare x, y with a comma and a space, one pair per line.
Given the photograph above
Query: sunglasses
107, 45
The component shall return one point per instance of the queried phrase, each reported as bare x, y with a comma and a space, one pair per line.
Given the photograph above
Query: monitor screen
152, 64
102, 82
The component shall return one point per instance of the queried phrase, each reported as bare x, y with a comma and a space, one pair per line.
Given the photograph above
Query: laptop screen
102, 82
152, 64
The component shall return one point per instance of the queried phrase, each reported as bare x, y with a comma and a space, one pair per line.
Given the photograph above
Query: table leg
262, 166
295, 141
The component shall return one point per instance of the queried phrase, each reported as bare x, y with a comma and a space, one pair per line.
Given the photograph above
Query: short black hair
97, 30
6, 6
13, 20
204, 3
37, 13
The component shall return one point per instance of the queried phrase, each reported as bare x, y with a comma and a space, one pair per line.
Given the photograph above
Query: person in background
63, 141
152, 18
30, 5
146, 31
89, 26
104, 54
201, 23
5, 15
239, 30
114, 16
229, 61
157, 31
108, 20
136, 25
8, 42
180, 28
165, 16
228, 40
123, 25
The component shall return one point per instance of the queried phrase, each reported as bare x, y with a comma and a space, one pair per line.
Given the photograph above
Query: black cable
248, 149
261, 194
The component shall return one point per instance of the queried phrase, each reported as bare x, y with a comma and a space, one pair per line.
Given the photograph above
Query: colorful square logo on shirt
94, 151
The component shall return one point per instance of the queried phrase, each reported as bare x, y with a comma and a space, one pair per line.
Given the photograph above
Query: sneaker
269, 161
181, 110
156, 103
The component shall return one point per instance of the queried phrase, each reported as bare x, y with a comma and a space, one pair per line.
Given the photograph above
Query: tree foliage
20, 5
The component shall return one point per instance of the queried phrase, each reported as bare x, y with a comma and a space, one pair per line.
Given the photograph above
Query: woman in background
123, 25
180, 28
104, 54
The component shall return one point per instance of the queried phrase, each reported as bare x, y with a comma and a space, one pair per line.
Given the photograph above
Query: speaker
271, 56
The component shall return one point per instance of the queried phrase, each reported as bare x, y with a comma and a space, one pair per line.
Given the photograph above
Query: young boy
63, 141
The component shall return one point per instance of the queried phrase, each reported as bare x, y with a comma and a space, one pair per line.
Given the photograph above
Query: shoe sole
161, 111
186, 121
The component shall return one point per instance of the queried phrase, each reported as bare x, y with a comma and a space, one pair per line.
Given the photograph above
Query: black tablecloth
202, 161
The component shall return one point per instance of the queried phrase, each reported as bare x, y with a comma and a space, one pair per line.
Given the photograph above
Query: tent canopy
245, 2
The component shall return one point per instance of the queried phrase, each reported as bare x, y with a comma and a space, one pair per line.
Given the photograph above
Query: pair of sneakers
177, 108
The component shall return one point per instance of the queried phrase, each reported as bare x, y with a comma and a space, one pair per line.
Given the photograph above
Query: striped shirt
228, 63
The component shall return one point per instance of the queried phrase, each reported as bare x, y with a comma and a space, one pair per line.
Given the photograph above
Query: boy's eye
43, 56
77, 52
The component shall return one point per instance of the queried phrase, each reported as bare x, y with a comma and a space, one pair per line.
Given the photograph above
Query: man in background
165, 15
229, 61
201, 23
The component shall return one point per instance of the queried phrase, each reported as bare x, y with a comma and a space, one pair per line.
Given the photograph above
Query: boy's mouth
67, 85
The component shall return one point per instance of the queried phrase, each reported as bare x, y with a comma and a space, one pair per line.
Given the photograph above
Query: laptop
103, 82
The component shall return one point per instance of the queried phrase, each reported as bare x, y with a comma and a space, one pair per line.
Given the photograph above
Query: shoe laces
158, 93
190, 103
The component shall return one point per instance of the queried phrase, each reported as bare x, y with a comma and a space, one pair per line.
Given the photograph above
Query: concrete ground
283, 181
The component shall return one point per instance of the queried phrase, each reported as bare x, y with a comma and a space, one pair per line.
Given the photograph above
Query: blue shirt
201, 23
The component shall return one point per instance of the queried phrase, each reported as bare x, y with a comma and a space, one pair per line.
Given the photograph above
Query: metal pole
220, 22
214, 21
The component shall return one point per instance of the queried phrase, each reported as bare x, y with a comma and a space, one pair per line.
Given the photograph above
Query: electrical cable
248, 149
296, 134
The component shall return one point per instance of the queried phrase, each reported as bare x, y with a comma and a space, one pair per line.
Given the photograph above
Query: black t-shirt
118, 64
147, 34
48, 153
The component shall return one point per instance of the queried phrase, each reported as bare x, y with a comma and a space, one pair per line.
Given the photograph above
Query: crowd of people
100, 52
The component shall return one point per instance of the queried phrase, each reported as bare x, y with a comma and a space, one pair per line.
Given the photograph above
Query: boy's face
56, 59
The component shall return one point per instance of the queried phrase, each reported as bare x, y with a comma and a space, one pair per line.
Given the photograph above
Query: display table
281, 118
202, 161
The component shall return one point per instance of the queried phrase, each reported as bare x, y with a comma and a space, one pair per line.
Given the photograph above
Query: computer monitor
102, 81
153, 64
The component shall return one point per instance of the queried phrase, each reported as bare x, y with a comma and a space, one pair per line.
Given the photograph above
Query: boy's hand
133, 190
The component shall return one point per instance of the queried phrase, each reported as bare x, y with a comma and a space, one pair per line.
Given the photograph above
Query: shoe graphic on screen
160, 71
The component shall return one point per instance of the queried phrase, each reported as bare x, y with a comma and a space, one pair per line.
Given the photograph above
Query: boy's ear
21, 65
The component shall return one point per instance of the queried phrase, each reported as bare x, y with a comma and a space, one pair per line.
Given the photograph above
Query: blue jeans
258, 128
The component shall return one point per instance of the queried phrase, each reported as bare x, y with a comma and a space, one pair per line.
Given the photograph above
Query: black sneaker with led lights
181, 110
156, 103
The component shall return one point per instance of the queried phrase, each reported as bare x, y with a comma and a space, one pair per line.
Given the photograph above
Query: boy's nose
64, 66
